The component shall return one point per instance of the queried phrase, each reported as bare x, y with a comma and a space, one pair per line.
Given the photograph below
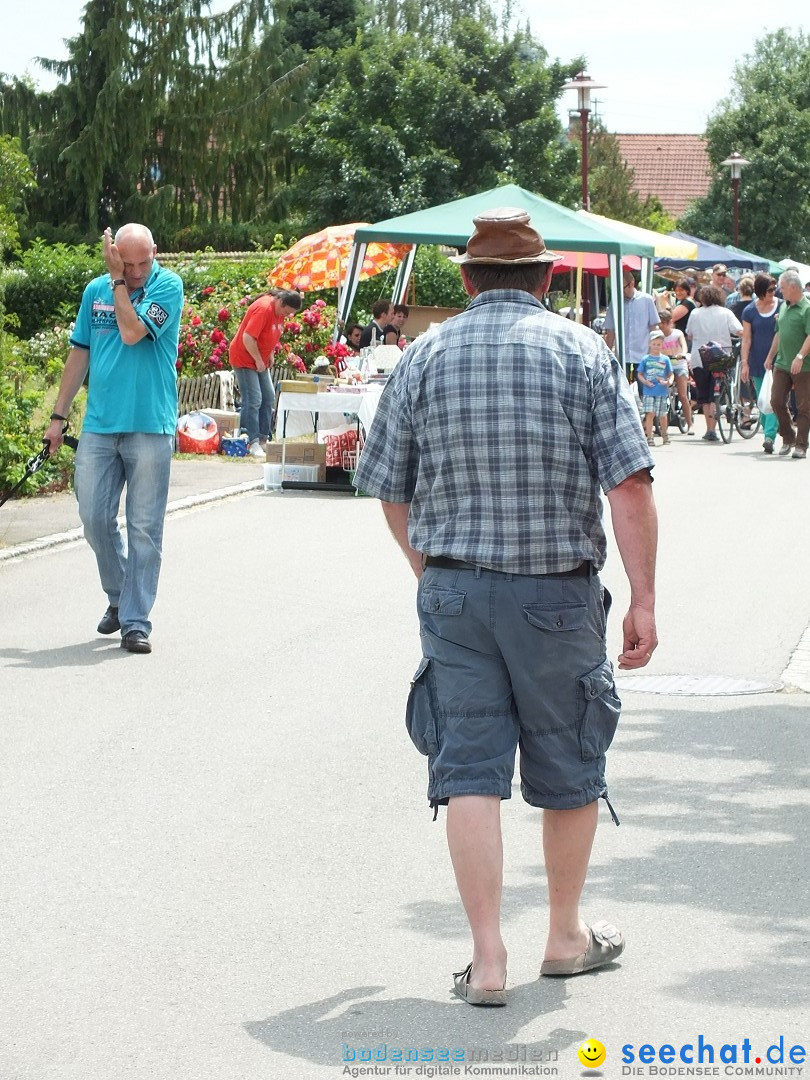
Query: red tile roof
673, 167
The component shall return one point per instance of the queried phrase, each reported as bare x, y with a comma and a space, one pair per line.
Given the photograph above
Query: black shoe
136, 641
767, 446
109, 621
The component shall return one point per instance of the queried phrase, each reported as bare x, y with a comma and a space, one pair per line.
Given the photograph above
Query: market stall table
302, 414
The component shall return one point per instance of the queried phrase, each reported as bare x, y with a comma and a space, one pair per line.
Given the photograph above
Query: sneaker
767, 446
786, 449
665, 440
799, 453
256, 451
650, 441
690, 430
711, 436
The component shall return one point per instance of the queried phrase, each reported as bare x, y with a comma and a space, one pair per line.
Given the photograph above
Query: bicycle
735, 402
676, 415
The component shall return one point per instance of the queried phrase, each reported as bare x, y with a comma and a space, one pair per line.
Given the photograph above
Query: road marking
796, 675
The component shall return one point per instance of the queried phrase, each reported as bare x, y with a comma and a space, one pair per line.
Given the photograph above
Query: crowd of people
764, 319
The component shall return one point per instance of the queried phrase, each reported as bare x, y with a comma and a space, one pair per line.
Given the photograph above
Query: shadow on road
85, 654
319, 1032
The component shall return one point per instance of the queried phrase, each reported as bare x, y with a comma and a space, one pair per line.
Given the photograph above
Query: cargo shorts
513, 661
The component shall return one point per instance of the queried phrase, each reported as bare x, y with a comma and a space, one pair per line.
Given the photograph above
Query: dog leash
38, 460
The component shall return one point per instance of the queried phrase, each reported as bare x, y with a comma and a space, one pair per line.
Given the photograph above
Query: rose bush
214, 313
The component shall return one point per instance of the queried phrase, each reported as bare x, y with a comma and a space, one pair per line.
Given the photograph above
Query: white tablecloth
331, 408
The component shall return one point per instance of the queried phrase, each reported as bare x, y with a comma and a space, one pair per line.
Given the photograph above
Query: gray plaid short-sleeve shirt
499, 427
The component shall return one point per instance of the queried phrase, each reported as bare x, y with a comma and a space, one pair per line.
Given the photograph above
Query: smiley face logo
592, 1054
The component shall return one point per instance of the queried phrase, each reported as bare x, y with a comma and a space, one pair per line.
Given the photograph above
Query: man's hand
744, 371
53, 435
769, 363
640, 639
112, 256
796, 366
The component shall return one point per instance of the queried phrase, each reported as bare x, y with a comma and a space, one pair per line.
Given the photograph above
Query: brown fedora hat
504, 236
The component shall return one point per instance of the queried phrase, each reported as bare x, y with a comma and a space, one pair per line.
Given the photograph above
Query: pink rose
196, 321
223, 314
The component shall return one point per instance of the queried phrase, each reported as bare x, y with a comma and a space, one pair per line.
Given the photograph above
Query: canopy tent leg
348, 290
403, 276
646, 274
617, 304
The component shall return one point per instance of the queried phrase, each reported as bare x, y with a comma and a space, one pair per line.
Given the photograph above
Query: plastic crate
306, 474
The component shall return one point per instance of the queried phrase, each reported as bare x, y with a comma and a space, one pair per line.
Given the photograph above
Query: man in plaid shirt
491, 442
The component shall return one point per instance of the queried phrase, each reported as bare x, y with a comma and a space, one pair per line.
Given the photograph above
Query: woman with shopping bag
759, 327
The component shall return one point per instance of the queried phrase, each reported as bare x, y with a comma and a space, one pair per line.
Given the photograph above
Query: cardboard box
297, 453
298, 386
227, 422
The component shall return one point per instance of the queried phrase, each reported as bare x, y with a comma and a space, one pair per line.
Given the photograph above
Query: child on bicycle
654, 373
677, 350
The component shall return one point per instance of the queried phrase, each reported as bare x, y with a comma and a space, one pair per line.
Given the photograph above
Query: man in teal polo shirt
126, 337
791, 347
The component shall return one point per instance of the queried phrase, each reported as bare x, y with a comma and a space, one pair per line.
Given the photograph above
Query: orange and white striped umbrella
319, 261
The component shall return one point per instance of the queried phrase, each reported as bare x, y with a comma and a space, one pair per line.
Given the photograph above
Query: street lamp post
736, 162
583, 86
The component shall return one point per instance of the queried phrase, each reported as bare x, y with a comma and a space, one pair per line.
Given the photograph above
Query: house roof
673, 167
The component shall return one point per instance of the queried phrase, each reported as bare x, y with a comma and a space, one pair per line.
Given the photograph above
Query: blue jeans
104, 463
258, 397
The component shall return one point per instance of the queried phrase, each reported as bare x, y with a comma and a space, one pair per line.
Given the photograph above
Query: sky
664, 66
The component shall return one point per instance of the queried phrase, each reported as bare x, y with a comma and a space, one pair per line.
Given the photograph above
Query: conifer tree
163, 111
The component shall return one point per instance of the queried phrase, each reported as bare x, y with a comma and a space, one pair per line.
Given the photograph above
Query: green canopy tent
451, 224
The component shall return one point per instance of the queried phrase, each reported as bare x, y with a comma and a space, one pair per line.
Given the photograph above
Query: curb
45, 543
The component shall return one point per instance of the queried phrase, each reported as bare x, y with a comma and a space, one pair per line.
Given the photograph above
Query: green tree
163, 112
321, 24
408, 122
766, 118
16, 177
611, 184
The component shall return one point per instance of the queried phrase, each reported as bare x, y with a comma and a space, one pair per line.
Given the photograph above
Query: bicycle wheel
680, 419
749, 420
724, 413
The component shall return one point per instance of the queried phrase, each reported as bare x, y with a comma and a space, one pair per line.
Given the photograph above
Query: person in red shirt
251, 356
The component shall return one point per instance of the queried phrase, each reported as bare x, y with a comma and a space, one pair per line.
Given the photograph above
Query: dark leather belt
444, 563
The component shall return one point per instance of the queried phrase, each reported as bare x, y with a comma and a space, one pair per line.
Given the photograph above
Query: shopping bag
764, 398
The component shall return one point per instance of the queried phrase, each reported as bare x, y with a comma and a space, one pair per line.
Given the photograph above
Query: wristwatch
118, 281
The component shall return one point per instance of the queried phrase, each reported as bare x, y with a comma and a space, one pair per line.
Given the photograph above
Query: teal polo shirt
792, 326
132, 387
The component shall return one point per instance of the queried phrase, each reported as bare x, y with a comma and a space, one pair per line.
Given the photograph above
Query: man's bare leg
567, 841
476, 850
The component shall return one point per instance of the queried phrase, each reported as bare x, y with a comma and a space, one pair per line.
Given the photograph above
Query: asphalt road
217, 861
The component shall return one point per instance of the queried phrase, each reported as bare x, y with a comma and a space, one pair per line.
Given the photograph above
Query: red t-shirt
262, 323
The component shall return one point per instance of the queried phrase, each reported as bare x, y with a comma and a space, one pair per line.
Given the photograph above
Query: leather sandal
472, 994
605, 945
